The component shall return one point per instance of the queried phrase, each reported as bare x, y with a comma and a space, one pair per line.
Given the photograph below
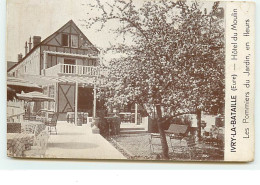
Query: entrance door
85, 103
66, 97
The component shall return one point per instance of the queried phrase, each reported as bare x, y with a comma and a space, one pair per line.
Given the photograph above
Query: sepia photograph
116, 79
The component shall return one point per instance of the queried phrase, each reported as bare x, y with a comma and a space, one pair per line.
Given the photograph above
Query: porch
70, 69
69, 64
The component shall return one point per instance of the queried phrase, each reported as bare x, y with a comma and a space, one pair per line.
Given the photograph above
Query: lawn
137, 146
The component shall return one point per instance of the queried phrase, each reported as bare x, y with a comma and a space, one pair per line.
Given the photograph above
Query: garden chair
71, 118
176, 147
41, 115
29, 129
85, 118
221, 140
190, 147
196, 150
80, 118
26, 116
52, 124
176, 133
39, 146
152, 139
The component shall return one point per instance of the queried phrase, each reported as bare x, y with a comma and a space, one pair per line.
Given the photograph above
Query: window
74, 41
65, 40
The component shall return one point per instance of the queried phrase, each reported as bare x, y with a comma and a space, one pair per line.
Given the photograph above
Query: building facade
66, 64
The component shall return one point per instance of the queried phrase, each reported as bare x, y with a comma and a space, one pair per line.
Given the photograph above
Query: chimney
36, 40
30, 44
26, 48
20, 57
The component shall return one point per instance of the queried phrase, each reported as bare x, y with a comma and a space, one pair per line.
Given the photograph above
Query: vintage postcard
130, 80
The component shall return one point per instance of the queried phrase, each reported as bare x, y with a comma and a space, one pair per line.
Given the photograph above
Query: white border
6, 163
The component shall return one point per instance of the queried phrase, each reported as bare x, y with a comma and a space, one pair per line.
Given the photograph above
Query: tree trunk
199, 123
165, 149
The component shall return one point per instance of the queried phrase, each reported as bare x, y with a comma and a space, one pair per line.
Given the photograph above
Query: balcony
69, 69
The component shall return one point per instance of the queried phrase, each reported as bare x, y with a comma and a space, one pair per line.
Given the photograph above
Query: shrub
110, 126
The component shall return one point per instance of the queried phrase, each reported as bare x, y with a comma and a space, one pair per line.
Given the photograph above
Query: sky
27, 18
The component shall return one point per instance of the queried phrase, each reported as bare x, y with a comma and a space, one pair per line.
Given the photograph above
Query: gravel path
136, 146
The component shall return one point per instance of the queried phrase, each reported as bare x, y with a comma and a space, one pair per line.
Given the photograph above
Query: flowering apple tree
172, 58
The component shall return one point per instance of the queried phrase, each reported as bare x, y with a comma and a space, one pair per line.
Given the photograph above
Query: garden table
82, 117
44, 114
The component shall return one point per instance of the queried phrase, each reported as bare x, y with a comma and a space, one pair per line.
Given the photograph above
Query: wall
15, 107
30, 65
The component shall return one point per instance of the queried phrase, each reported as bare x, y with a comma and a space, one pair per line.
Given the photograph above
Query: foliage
174, 63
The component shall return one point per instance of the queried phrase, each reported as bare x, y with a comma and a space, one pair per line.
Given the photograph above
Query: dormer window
74, 41
65, 40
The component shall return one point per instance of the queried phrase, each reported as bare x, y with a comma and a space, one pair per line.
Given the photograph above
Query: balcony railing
72, 69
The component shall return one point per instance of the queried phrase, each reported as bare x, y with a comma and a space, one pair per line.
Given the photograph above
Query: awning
47, 80
34, 96
20, 84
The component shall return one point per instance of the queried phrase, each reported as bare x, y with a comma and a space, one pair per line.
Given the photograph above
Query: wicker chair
39, 146
177, 147
191, 148
152, 141
52, 124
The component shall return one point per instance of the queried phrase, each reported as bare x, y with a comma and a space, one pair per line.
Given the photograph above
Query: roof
12, 81
64, 26
10, 64
21, 84
42, 42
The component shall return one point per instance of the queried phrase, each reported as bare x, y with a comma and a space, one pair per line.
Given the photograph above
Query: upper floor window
65, 40
74, 41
